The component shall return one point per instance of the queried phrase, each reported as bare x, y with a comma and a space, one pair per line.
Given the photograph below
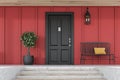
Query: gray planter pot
28, 60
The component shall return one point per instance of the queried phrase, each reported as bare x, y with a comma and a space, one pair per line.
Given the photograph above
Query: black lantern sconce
87, 17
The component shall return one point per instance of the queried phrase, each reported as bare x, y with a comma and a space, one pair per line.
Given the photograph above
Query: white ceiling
59, 2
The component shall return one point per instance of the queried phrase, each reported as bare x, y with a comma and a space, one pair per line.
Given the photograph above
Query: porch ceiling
59, 2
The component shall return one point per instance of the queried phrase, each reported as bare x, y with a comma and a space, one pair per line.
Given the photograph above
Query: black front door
59, 38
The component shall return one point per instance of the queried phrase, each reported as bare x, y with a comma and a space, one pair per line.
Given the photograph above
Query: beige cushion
99, 51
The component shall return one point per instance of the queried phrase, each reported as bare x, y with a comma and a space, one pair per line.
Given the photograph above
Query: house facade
60, 31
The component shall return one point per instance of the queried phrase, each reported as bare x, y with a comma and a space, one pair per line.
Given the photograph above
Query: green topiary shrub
29, 40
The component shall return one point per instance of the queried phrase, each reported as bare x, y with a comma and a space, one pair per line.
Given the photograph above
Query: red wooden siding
2, 35
117, 34
105, 22
41, 34
77, 33
106, 26
29, 23
12, 43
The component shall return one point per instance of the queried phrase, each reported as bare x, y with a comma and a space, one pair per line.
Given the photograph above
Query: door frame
72, 34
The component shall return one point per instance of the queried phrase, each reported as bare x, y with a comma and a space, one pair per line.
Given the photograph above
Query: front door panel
59, 39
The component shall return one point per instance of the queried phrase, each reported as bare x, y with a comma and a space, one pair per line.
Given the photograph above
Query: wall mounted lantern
87, 17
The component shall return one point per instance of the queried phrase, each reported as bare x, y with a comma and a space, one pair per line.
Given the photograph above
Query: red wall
105, 26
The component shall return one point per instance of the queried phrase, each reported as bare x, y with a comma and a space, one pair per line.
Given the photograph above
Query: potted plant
29, 40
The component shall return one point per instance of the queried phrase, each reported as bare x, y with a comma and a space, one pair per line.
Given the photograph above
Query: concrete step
65, 79
59, 77
58, 74
60, 68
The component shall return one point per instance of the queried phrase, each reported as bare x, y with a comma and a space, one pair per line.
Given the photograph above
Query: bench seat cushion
99, 51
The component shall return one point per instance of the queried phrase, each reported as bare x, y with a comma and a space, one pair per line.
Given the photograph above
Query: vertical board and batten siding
11, 35
2, 53
117, 35
29, 23
105, 26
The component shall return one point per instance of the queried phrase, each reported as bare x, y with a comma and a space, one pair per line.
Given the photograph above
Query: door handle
69, 41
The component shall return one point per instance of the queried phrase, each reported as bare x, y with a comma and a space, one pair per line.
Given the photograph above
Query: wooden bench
87, 50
